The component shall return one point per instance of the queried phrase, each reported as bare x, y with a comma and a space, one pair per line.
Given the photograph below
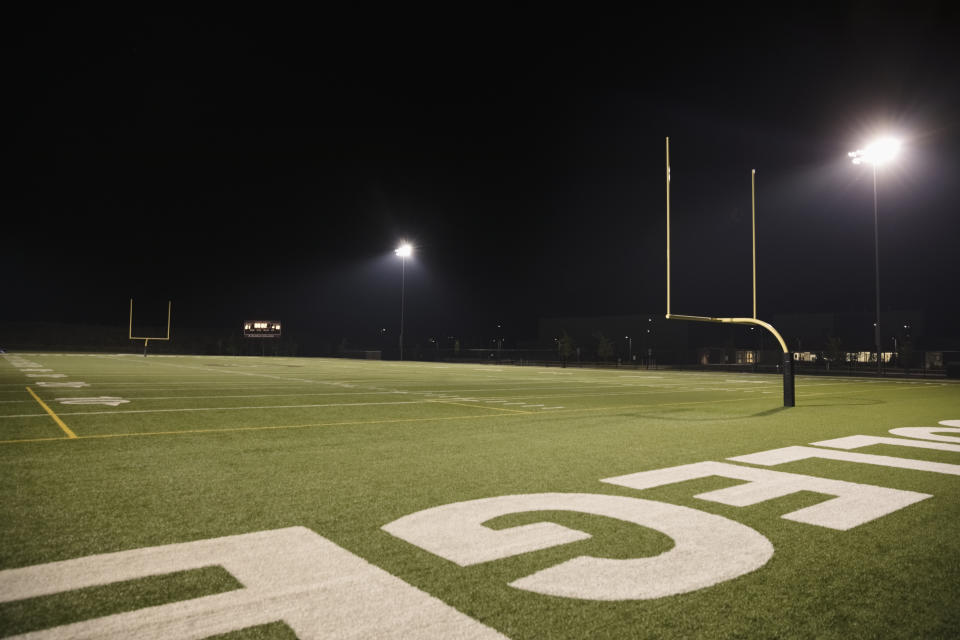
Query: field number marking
110, 401
69, 385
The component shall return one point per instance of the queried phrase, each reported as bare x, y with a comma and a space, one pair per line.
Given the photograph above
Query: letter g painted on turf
708, 549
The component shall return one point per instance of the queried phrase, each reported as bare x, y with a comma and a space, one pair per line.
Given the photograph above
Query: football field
244, 497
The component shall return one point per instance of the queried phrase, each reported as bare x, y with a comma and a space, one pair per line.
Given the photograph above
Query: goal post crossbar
749, 321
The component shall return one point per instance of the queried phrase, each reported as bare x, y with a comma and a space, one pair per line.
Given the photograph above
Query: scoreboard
261, 329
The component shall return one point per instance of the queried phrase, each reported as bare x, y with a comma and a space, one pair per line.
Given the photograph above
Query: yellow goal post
787, 357
146, 340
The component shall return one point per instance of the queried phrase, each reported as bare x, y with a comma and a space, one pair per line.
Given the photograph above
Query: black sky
265, 164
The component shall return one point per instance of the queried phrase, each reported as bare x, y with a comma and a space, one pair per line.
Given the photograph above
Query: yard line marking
285, 406
66, 429
266, 428
514, 411
388, 421
353, 422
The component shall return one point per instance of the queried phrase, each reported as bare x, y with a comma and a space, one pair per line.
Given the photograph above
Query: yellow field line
56, 418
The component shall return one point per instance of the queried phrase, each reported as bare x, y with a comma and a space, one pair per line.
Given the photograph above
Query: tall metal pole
668, 227
753, 209
403, 281
876, 259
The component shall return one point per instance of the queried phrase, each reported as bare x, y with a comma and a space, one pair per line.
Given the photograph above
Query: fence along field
432, 500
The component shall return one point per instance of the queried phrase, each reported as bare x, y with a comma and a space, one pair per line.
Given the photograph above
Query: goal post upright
787, 356
146, 340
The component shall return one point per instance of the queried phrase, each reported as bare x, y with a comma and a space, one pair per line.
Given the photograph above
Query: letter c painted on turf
709, 549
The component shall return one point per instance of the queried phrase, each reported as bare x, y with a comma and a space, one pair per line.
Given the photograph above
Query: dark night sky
265, 165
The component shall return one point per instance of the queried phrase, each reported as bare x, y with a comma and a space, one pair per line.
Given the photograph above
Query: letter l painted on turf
792, 454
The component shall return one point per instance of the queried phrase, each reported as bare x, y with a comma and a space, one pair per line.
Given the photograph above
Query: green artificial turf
212, 446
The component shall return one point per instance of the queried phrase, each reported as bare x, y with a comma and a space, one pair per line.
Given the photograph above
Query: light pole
404, 251
877, 153
629, 349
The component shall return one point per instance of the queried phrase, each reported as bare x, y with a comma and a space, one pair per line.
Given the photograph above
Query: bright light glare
877, 153
404, 250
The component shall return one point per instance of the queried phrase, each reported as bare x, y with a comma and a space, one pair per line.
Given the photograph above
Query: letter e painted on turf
708, 549
295, 575
853, 505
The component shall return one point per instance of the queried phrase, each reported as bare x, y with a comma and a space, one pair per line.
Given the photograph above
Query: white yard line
188, 410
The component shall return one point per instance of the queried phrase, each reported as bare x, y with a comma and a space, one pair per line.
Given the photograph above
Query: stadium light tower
877, 153
404, 251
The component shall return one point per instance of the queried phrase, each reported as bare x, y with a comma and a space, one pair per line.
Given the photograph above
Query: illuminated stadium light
877, 153
404, 251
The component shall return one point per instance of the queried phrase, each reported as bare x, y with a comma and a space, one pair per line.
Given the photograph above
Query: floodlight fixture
405, 250
878, 153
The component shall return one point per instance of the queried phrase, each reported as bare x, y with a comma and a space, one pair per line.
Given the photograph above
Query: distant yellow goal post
146, 340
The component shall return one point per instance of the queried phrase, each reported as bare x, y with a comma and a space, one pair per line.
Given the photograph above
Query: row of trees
568, 349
